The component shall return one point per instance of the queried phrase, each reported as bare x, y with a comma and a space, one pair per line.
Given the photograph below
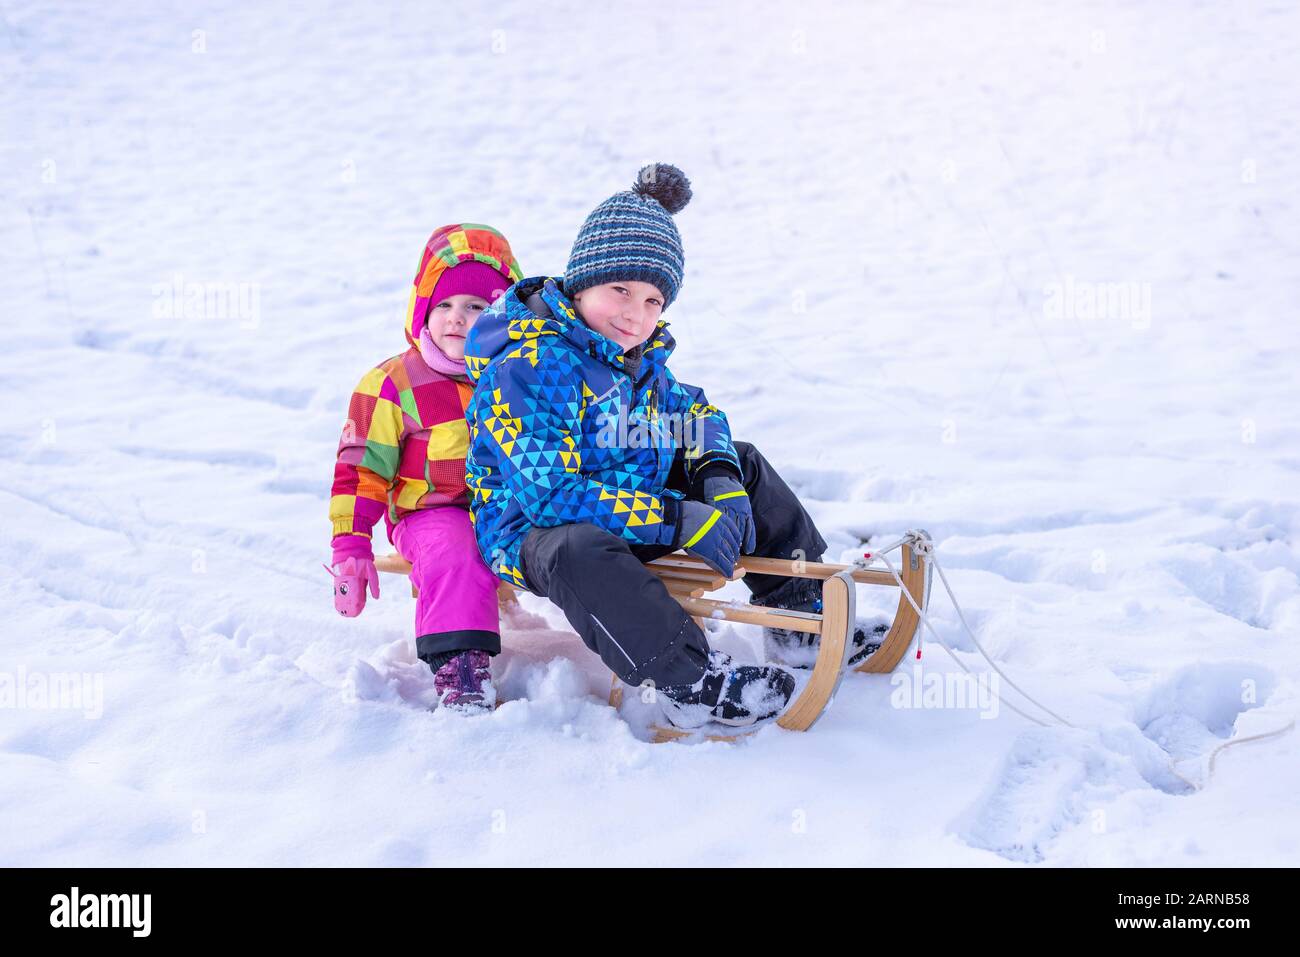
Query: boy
588, 458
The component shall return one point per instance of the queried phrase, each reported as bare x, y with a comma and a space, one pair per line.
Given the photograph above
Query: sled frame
688, 579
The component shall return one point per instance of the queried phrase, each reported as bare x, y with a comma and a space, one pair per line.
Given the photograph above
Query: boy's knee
546, 549
584, 539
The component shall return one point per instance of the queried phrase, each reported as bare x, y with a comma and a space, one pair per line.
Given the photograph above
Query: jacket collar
562, 317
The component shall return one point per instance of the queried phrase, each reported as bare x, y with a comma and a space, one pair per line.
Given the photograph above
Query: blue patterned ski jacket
561, 432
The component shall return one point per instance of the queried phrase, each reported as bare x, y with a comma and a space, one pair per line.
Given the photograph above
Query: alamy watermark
56, 690
672, 430
180, 299
75, 909
1102, 301
945, 690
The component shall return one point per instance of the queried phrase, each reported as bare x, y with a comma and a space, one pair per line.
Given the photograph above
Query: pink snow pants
456, 608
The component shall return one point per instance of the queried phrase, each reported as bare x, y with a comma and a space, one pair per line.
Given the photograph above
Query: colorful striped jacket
561, 432
406, 436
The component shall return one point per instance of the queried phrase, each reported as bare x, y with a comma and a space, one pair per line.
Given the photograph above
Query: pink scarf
439, 361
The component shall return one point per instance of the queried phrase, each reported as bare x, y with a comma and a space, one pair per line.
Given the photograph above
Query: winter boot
798, 649
463, 681
728, 693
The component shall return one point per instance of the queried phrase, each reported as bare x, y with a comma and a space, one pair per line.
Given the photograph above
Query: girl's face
625, 312
449, 322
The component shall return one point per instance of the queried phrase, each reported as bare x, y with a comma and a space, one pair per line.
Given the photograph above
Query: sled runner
689, 579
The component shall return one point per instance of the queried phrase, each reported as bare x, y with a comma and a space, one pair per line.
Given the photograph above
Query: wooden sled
688, 579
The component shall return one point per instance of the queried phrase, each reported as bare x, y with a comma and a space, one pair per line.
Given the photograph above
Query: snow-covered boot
464, 682
798, 649
728, 693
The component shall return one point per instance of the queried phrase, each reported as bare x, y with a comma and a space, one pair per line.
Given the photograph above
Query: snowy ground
884, 199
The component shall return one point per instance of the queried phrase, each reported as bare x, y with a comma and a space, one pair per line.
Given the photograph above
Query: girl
402, 456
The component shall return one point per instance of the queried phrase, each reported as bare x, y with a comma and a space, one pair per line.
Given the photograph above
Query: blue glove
724, 492
708, 533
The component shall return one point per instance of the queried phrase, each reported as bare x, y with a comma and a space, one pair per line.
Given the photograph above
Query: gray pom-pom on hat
664, 183
632, 236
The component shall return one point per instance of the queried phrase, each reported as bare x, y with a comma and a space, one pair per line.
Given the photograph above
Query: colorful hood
449, 246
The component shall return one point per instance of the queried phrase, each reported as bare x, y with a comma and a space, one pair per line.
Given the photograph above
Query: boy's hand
710, 534
726, 493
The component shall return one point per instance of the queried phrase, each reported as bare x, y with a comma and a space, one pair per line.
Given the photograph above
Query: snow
906, 221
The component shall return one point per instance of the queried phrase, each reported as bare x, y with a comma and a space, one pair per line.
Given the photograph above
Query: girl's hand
351, 578
353, 572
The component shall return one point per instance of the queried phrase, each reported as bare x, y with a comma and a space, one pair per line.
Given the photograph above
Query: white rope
921, 544
1289, 726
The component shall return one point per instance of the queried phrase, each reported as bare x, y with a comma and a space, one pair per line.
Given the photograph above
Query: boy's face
625, 311
450, 321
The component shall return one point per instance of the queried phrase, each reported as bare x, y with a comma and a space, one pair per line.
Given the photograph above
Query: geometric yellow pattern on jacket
550, 391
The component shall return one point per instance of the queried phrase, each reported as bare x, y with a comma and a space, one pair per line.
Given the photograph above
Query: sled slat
703, 584
615, 692
712, 581
684, 589
662, 734
753, 615
785, 567
394, 563
673, 565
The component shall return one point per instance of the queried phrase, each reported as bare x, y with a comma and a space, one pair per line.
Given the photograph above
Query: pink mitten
354, 570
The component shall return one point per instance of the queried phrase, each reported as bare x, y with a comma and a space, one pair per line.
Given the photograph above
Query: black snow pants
622, 610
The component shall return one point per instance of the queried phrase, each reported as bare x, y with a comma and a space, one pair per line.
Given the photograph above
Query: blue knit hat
632, 235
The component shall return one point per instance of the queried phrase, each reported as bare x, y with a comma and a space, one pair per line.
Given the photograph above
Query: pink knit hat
471, 278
